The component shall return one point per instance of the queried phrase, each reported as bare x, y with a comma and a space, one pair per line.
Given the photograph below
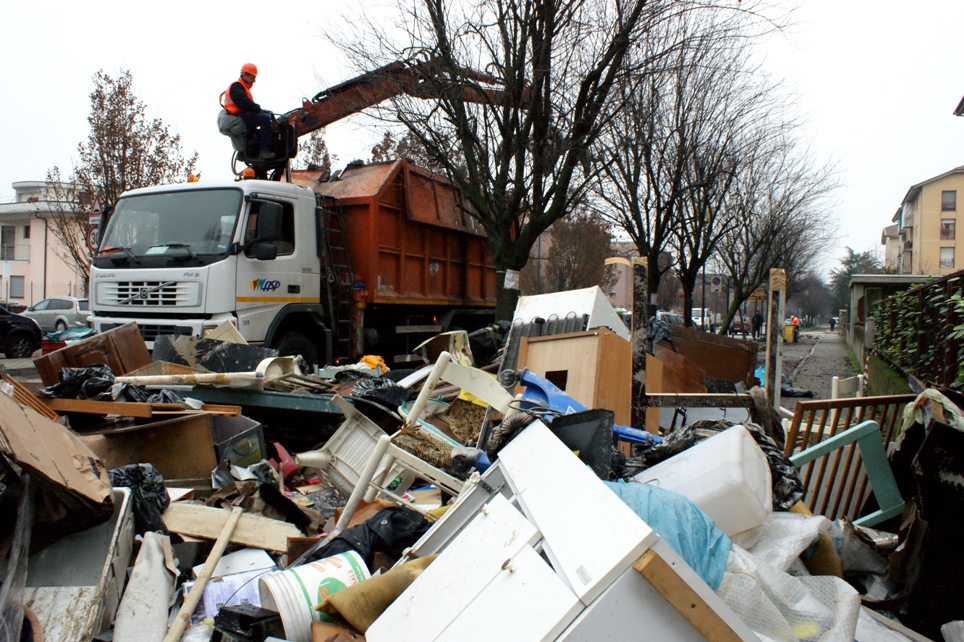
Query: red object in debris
47, 346
288, 465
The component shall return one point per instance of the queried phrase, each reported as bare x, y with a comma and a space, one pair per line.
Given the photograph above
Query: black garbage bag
382, 390
486, 342
90, 382
148, 492
389, 531
140, 394
787, 485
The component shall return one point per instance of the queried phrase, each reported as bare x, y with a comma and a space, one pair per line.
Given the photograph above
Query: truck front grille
150, 332
149, 293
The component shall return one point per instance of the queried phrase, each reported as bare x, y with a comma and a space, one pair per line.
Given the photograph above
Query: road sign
716, 284
93, 237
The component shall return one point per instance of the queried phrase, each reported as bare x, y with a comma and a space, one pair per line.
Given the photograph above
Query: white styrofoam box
726, 476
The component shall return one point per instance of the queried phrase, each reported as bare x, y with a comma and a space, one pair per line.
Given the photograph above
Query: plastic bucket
296, 592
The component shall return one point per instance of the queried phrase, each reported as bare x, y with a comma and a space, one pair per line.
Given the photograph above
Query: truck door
267, 285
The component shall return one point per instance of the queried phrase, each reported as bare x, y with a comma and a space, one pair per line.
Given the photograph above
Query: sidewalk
22, 368
812, 363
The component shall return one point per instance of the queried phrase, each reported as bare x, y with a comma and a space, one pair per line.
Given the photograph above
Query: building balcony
15, 252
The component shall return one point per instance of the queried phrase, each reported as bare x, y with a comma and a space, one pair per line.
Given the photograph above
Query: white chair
848, 386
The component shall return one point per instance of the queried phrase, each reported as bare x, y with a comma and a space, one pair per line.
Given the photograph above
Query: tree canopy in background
853, 263
124, 150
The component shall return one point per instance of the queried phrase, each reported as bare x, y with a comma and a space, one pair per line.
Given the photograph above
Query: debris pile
512, 488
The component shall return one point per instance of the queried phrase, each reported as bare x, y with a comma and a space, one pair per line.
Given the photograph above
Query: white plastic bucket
296, 592
727, 476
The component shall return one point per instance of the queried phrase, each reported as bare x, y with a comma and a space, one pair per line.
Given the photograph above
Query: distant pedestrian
757, 321
833, 323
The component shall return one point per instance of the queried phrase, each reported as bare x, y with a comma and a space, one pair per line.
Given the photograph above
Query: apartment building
926, 240
30, 265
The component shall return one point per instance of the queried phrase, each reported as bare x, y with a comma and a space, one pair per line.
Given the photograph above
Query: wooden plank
26, 398
124, 408
207, 522
683, 598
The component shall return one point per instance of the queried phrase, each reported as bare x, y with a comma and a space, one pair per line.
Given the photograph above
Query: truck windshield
162, 226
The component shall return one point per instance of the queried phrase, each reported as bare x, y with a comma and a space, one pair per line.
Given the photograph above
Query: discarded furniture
360, 457
344, 456
75, 585
121, 348
510, 558
592, 367
472, 380
870, 464
847, 386
818, 419
184, 449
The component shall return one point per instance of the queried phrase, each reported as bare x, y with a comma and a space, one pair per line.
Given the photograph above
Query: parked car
20, 336
59, 313
670, 318
737, 327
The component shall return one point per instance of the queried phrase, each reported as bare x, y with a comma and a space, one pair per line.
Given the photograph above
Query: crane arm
421, 79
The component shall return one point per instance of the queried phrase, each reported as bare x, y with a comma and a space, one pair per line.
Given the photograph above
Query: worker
237, 101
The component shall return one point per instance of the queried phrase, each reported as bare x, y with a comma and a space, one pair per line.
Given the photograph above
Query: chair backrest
870, 465
848, 386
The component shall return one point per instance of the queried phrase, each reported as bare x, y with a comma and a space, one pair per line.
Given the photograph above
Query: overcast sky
877, 81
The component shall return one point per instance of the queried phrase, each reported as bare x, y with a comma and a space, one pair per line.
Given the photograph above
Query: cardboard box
184, 450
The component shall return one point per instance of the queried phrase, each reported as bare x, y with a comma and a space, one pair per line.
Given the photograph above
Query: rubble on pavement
502, 491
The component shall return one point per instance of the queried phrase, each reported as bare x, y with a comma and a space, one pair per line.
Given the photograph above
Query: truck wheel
295, 343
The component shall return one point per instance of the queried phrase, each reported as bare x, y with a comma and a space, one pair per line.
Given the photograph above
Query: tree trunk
505, 300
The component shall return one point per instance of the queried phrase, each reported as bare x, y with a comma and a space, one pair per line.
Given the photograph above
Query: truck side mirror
269, 222
265, 251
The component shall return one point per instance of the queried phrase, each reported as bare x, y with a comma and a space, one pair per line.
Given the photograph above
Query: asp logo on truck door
264, 285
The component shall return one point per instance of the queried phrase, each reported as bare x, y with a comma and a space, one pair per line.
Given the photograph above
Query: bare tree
124, 150
391, 147
522, 162
313, 153
578, 248
783, 200
669, 153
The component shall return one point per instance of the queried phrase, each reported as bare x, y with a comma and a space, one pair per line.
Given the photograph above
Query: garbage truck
372, 262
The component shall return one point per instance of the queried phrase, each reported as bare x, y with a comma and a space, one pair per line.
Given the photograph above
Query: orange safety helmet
248, 68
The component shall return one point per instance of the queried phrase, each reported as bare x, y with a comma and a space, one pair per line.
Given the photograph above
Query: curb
793, 375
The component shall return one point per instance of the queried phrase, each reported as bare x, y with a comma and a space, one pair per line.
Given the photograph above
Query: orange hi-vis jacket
226, 101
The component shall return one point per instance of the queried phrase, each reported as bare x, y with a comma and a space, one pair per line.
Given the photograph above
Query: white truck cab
182, 259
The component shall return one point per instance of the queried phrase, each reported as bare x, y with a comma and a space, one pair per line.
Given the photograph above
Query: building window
8, 242
947, 257
26, 231
947, 229
16, 287
949, 201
